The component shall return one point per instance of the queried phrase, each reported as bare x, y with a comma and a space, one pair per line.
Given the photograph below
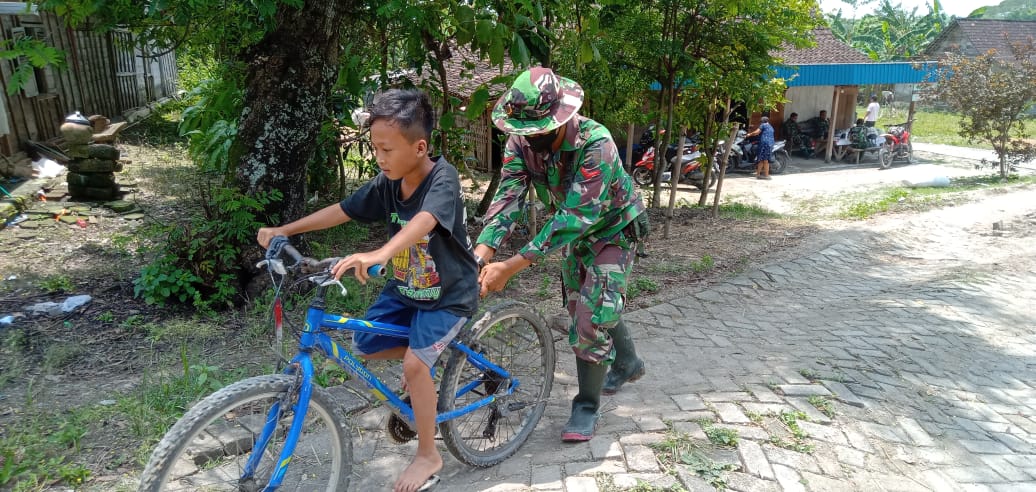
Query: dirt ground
95, 354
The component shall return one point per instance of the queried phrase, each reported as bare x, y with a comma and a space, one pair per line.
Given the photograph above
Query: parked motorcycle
743, 153
691, 170
896, 145
647, 141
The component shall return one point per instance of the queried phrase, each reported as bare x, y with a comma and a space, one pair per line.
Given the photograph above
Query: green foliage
705, 264
641, 285
720, 436
210, 122
1007, 10
681, 449
57, 283
867, 208
196, 262
823, 404
890, 33
30, 54
41, 450
991, 93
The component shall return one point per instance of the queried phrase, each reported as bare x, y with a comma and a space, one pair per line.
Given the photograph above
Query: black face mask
542, 143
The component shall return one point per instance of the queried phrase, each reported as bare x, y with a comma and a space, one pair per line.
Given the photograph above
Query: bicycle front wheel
514, 337
208, 447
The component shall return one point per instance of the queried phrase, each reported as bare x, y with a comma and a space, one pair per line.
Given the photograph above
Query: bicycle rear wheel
513, 336
208, 447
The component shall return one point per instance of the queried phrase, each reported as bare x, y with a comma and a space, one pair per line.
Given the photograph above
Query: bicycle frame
301, 365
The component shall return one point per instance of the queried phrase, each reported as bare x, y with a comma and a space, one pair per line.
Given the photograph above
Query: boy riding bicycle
433, 287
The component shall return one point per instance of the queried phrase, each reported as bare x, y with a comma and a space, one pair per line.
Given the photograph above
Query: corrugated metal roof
855, 74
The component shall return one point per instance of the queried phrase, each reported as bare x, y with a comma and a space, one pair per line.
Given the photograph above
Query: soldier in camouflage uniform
597, 219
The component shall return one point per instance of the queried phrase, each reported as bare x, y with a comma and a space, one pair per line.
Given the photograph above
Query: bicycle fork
300, 392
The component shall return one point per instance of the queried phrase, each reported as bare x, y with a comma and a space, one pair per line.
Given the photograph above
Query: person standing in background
873, 112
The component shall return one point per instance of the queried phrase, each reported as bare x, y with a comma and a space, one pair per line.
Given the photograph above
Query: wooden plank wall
100, 78
97, 81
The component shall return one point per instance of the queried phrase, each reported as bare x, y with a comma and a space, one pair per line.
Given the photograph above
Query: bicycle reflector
278, 320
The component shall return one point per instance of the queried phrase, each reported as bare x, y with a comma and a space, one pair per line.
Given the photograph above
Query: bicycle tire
501, 327
192, 449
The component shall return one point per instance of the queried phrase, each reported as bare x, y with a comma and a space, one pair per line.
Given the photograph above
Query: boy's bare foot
418, 472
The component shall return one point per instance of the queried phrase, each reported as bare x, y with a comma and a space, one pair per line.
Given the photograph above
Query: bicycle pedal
430, 483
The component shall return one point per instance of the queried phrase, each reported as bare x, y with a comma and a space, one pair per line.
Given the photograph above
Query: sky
960, 8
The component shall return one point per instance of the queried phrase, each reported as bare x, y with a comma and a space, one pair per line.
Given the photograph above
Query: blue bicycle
284, 431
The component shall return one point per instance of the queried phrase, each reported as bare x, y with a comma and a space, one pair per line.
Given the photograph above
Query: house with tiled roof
827, 77
973, 37
465, 72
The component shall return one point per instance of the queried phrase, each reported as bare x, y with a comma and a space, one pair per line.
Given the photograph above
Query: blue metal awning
857, 73
850, 74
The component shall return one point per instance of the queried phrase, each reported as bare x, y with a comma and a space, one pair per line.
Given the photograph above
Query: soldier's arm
584, 202
508, 202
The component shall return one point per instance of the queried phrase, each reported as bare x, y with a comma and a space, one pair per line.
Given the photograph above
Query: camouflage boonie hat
538, 101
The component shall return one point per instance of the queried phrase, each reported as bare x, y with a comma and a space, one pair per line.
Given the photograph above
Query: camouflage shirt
583, 185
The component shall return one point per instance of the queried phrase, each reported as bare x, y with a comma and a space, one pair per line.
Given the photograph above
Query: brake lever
325, 281
276, 264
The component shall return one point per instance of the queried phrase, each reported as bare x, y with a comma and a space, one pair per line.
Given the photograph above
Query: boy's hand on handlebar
358, 263
265, 234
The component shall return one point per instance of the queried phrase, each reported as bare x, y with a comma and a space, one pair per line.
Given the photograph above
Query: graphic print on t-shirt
415, 268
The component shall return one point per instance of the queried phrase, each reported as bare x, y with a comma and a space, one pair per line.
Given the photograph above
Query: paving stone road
919, 329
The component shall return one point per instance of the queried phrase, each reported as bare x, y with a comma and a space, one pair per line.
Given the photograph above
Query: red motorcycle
897, 145
691, 170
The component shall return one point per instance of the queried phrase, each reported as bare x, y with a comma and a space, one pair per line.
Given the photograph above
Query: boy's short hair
407, 108
859, 121
793, 115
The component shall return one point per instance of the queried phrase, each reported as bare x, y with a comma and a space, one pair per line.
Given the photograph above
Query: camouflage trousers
594, 278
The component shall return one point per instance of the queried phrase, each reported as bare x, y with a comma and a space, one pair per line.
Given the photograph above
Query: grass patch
797, 442
940, 127
56, 283
810, 374
823, 404
41, 450
680, 449
606, 483
895, 198
718, 435
733, 210
742, 211
640, 286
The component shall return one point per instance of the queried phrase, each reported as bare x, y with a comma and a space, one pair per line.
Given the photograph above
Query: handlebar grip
293, 253
376, 270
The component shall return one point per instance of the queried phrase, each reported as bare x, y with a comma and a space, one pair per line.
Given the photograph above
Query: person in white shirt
873, 111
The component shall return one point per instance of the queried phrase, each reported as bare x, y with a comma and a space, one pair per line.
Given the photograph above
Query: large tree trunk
289, 76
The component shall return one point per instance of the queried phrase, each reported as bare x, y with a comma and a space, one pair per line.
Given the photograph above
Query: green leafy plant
823, 404
681, 449
703, 265
57, 283
211, 122
31, 54
719, 436
641, 285
197, 260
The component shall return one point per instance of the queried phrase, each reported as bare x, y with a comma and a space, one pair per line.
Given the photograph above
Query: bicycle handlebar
279, 245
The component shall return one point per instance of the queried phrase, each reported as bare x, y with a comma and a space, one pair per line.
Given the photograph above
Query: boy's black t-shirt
439, 272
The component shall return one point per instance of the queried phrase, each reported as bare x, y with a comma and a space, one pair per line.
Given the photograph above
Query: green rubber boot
627, 367
585, 405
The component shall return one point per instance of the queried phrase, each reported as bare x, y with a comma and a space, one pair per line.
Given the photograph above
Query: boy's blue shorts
430, 331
